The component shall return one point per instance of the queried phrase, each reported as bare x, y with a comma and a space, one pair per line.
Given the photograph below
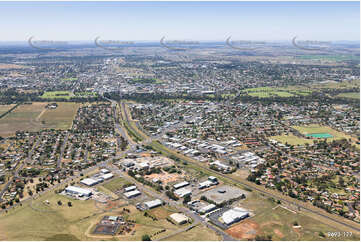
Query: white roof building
132, 194
205, 184
107, 176
105, 171
207, 209
182, 192
234, 215
131, 188
153, 203
89, 182
78, 191
181, 184
179, 218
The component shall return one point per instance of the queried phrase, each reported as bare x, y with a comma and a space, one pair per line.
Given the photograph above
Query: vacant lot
61, 117
22, 118
198, 233
57, 94
272, 219
50, 222
115, 184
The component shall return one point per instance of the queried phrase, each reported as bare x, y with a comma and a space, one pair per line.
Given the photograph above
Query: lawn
57, 95
291, 139
61, 117
22, 118
353, 95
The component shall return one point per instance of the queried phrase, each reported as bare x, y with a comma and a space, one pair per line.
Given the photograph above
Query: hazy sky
179, 20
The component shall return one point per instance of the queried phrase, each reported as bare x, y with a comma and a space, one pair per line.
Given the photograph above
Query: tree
146, 237
60, 203
187, 199
69, 204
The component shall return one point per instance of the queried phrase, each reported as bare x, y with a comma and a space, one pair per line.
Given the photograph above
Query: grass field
115, 184
291, 139
57, 94
266, 92
52, 222
353, 95
22, 118
278, 222
61, 117
4, 108
198, 233
33, 117
315, 128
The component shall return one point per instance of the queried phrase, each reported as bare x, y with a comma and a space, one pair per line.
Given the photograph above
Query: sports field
318, 131
353, 95
57, 95
266, 92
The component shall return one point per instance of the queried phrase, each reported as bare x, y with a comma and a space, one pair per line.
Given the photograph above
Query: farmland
61, 117
22, 118
5, 108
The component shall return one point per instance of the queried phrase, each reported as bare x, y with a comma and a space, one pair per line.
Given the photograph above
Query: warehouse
78, 191
107, 176
207, 208
131, 188
179, 218
183, 192
132, 194
153, 204
89, 182
180, 185
234, 215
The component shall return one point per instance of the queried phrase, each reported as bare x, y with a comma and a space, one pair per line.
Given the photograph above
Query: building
179, 218
107, 176
131, 188
132, 194
89, 182
180, 185
234, 215
213, 179
207, 209
205, 184
182, 192
72, 190
104, 171
153, 204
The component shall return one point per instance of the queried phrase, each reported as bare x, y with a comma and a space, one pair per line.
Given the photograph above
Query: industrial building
132, 194
153, 204
89, 181
131, 188
234, 215
179, 218
180, 185
182, 192
72, 190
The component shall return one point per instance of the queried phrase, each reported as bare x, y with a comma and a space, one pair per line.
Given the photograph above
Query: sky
201, 21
